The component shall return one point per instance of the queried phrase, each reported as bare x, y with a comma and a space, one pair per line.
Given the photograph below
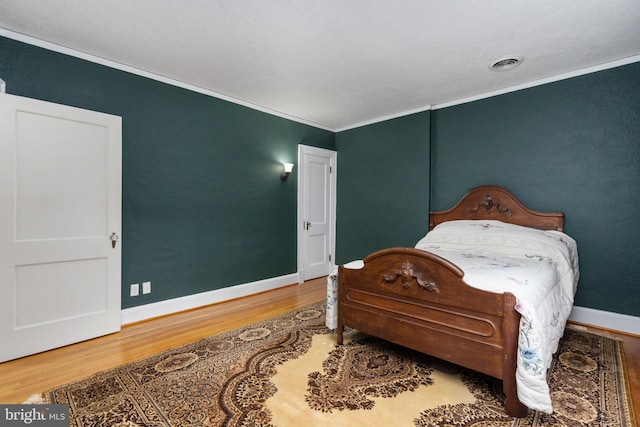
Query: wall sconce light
288, 167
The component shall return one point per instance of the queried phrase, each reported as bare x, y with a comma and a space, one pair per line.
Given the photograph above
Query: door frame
304, 150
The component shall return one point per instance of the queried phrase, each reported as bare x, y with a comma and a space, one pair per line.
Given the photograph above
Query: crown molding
112, 64
534, 83
385, 118
122, 67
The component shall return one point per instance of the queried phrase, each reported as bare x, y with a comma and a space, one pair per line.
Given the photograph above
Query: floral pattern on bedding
332, 294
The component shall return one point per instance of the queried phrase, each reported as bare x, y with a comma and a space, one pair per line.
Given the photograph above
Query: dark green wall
203, 204
383, 186
572, 145
203, 207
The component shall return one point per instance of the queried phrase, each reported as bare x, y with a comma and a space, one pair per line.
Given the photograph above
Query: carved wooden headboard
494, 202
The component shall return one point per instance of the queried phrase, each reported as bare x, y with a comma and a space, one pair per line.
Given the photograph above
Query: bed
453, 297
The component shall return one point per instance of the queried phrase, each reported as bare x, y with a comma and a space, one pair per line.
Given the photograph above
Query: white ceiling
337, 63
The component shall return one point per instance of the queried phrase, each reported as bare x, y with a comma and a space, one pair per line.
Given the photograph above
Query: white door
60, 202
317, 195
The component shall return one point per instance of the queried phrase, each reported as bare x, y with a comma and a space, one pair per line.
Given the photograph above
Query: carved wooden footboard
419, 300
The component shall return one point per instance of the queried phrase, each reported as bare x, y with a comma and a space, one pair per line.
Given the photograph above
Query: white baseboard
606, 320
588, 316
162, 308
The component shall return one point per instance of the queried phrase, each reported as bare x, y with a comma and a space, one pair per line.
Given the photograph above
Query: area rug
288, 371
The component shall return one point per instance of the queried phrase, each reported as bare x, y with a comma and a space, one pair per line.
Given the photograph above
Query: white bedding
539, 267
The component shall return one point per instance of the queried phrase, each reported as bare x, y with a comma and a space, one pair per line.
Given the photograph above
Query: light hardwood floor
23, 377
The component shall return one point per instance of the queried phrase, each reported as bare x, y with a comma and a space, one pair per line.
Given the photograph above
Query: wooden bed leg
512, 405
339, 331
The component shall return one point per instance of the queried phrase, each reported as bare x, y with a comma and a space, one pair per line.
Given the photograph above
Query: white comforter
539, 267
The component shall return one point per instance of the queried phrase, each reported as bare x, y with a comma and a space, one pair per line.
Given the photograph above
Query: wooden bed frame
419, 300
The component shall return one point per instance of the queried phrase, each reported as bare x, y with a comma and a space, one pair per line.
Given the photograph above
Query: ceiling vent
506, 63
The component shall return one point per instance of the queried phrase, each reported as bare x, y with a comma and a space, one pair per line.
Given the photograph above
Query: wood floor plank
24, 377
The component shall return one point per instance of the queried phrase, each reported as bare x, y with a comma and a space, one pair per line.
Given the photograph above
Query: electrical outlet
146, 287
135, 290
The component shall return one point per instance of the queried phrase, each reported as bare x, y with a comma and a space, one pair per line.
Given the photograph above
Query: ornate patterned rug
288, 371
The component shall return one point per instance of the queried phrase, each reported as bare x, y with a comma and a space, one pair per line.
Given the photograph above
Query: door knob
307, 224
114, 240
